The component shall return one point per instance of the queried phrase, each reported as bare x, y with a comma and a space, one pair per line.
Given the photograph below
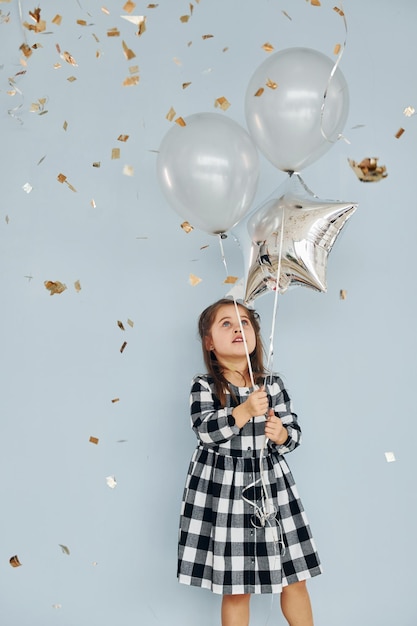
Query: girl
243, 529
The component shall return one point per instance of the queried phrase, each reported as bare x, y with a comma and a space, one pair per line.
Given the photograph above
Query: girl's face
225, 337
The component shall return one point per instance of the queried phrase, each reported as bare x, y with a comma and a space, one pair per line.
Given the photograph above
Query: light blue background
349, 364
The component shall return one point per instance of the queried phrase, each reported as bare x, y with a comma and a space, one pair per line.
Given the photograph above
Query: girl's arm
282, 406
212, 423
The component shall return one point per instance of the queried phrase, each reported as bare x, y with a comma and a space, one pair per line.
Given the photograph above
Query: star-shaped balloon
290, 237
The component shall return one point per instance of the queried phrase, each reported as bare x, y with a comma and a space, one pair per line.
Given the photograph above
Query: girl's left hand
274, 430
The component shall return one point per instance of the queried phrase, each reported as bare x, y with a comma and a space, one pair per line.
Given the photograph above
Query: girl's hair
205, 324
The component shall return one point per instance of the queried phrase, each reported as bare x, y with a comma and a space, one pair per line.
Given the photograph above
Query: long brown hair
205, 324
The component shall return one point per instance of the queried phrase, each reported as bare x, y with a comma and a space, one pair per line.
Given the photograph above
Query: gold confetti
206, 36
115, 153
69, 58
54, 287
194, 280
64, 549
71, 187
185, 85
93, 203
184, 18
222, 103
271, 84
123, 346
131, 324
116, 400
57, 606
61, 178
286, 15
111, 481
204, 247
71, 79
134, 69
315, 3
268, 47
177, 61
129, 6
26, 50
93, 440
409, 111
399, 132
81, 23
230, 280
129, 54
180, 121
65, 125
113, 32
142, 27
39, 27
338, 11
57, 20
368, 170
130, 80
336, 49
77, 286
259, 92
343, 294
14, 561
123, 138
152, 6
106, 11
128, 170
120, 325
186, 226
96, 164
171, 114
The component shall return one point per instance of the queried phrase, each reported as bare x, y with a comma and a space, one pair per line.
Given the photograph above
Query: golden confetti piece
129, 54
77, 286
113, 32
230, 280
27, 187
409, 111
39, 27
337, 48
120, 325
142, 27
54, 286
128, 170
177, 61
111, 482
71, 79
129, 6
390, 457
185, 85
57, 606
93, 440
134, 69
6, 219
106, 11
115, 153
61, 178
184, 18
64, 549
131, 324
130, 80
97, 164
315, 3
180, 121
206, 36
95, 37
123, 346
204, 247
271, 84
65, 125
368, 170
57, 66
152, 6
286, 15
81, 23
186, 226
14, 561
338, 11
222, 103
93, 203
343, 294
268, 47
259, 92
194, 280
26, 50
57, 20
170, 115
116, 400
399, 132
66, 56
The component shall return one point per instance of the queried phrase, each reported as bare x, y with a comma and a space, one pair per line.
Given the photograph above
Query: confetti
129, 6
184, 18
65, 125
64, 549
123, 138
271, 84
180, 121
286, 15
14, 561
343, 294
54, 287
128, 170
57, 606
230, 280
315, 3
123, 346
206, 36
409, 111
81, 23
77, 286
194, 280
399, 132
27, 187
137, 20
222, 103
120, 325
71, 79
186, 226
113, 32
106, 11
130, 80
171, 114
129, 54
26, 50
185, 85
390, 457
111, 482
259, 92
115, 153
66, 56
368, 170
57, 20
268, 47
131, 324
339, 11
93, 203
116, 400
96, 164
336, 49
94, 440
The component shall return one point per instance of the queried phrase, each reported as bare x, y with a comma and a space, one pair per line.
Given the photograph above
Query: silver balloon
287, 240
302, 109
208, 171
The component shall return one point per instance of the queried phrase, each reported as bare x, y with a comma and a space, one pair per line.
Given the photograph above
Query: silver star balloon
290, 237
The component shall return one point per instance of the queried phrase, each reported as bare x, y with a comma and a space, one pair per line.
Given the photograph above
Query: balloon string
238, 315
332, 73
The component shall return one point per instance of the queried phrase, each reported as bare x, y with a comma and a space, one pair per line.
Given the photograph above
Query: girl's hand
257, 402
274, 430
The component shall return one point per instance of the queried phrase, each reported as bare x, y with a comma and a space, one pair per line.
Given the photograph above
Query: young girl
243, 529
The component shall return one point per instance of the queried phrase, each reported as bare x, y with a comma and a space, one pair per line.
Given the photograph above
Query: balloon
293, 231
302, 109
208, 171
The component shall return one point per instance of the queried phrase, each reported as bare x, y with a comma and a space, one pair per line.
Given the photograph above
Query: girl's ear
208, 343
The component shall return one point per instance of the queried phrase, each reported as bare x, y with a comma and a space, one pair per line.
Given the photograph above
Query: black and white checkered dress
223, 546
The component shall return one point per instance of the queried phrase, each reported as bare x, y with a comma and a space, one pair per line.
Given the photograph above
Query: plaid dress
223, 545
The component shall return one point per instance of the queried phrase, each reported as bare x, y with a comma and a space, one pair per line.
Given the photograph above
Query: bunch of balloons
296, 105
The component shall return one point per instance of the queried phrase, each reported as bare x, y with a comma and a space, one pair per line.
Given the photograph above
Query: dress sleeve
282, 405
212, 423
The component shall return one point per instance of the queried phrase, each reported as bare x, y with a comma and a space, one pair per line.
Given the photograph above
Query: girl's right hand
257, 403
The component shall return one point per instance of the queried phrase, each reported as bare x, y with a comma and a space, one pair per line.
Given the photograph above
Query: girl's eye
225, 323
245, 323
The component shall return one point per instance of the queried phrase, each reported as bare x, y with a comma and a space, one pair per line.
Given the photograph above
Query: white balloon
208, 171
302, 112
